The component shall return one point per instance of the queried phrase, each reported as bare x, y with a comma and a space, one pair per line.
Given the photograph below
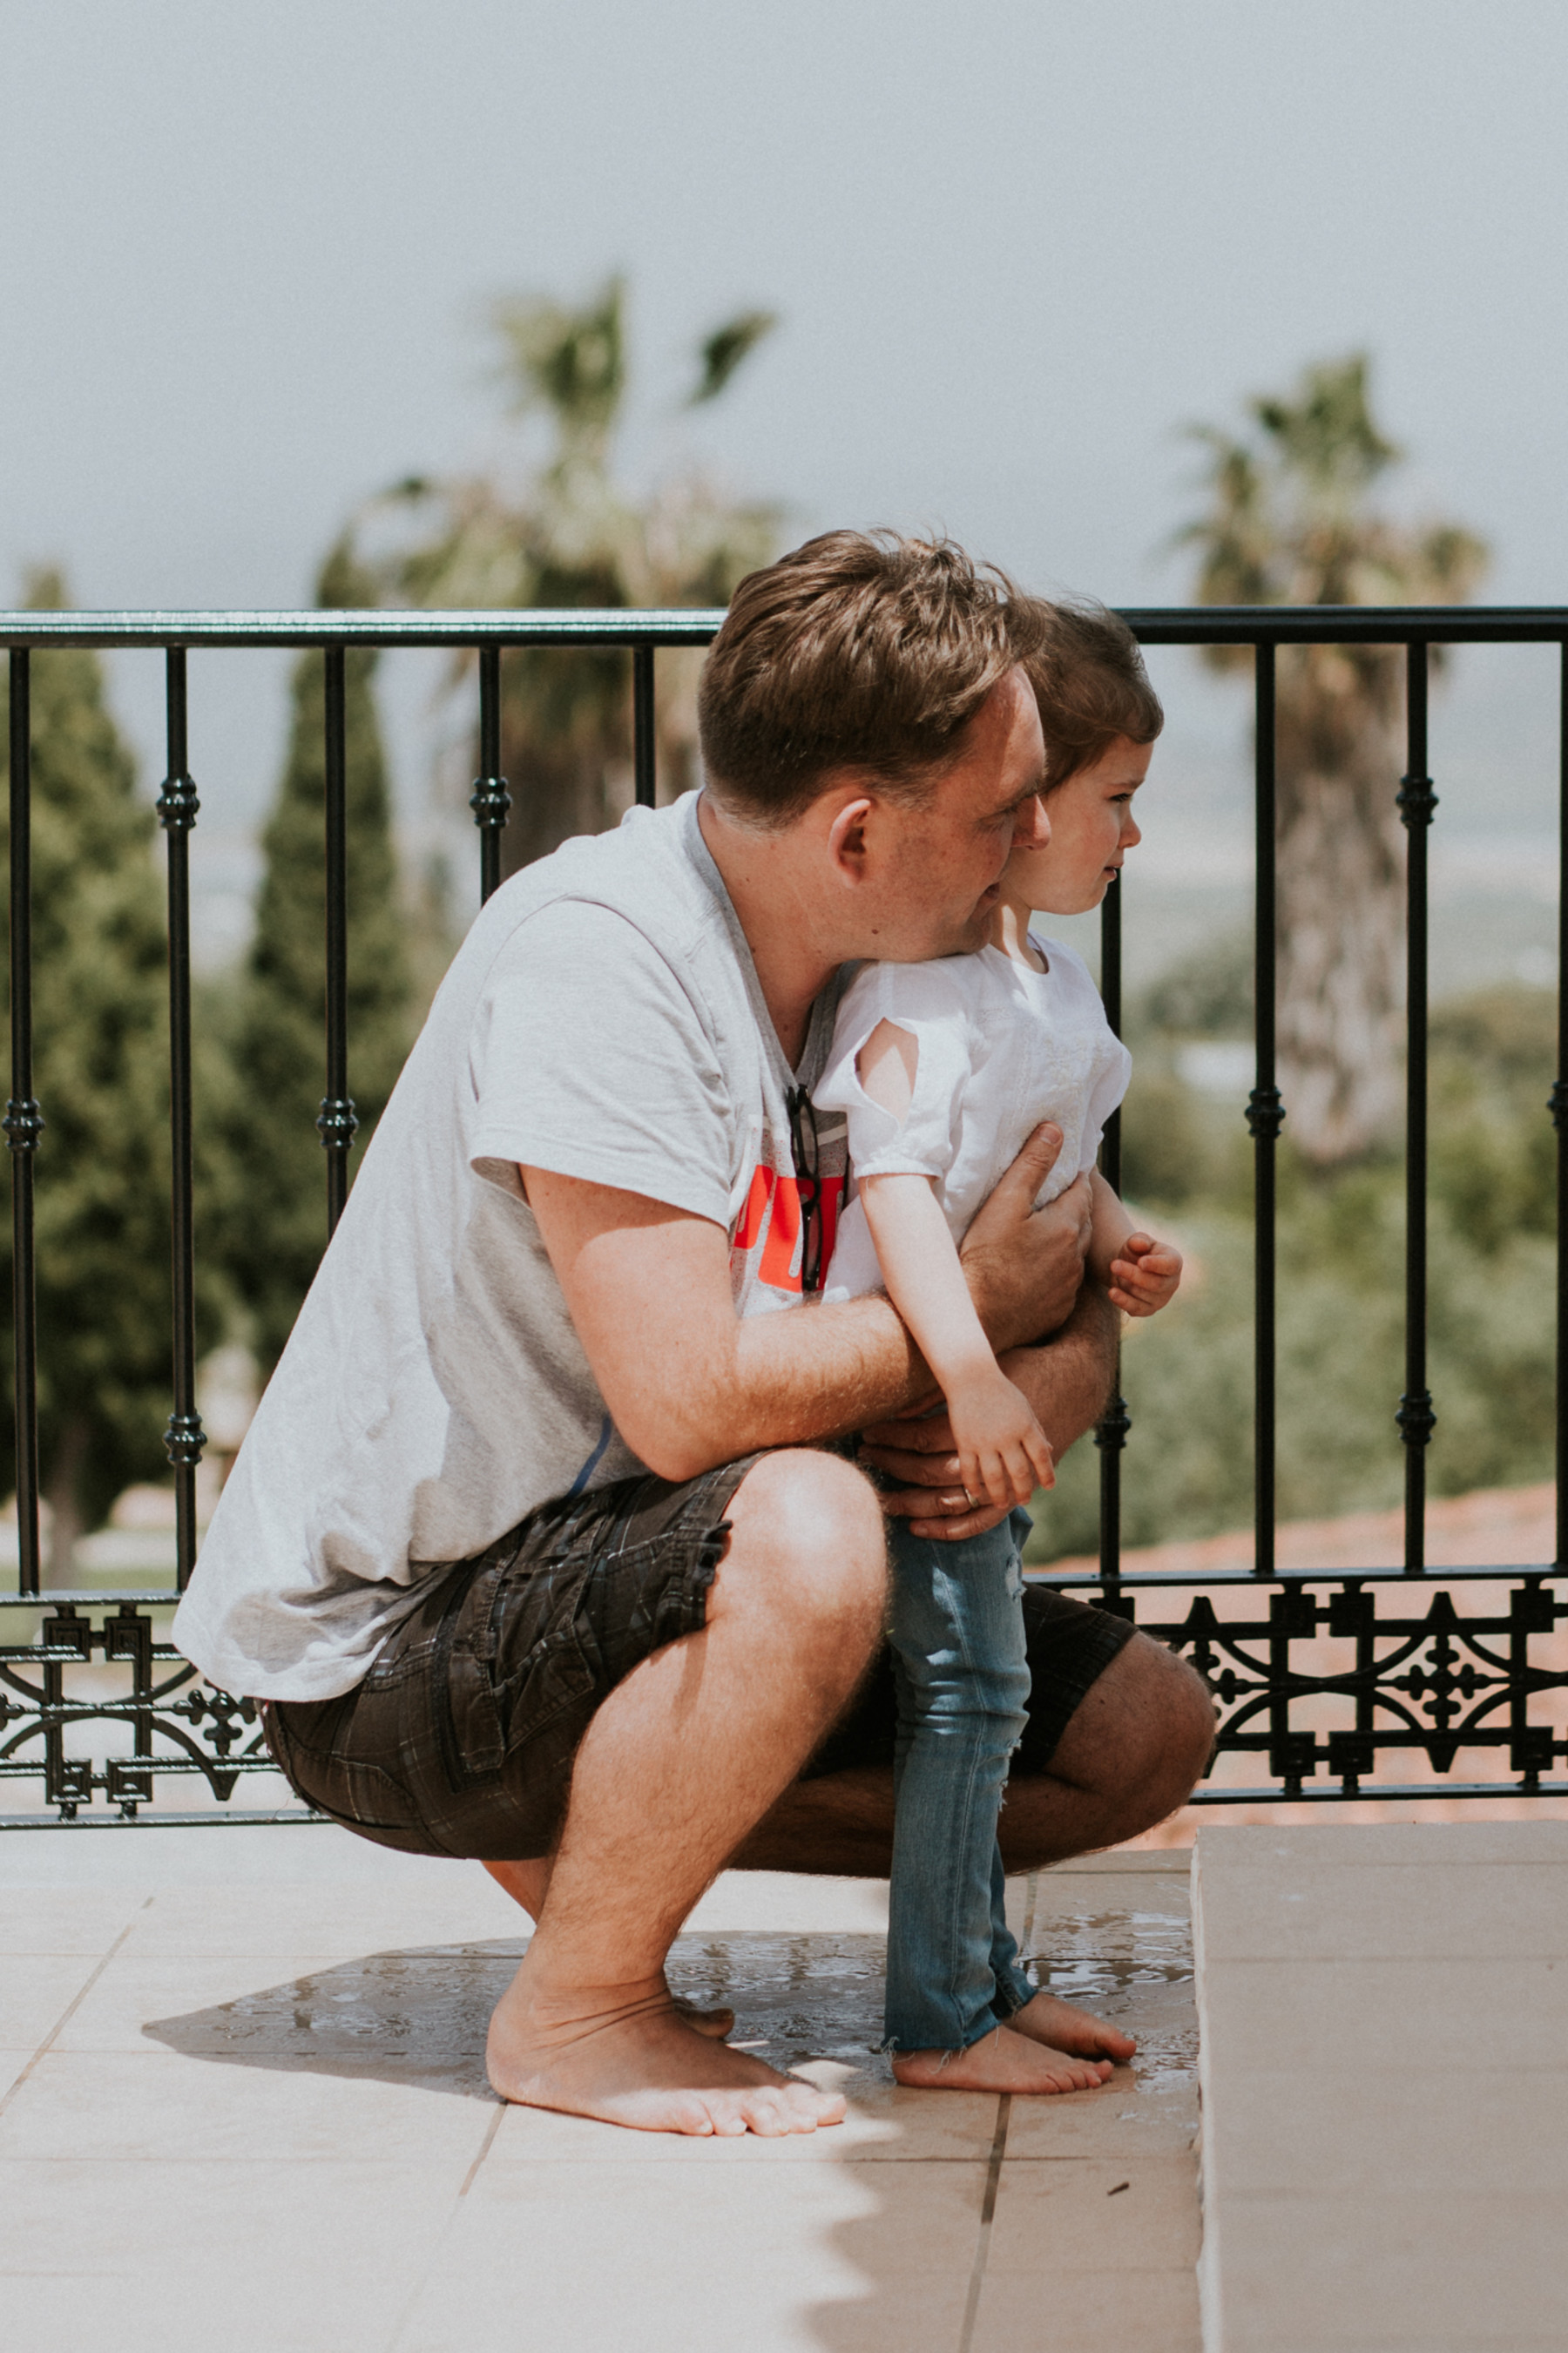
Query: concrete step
1383, 2018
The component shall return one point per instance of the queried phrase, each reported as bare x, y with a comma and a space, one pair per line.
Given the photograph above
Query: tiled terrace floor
1385, 2066
242, 2103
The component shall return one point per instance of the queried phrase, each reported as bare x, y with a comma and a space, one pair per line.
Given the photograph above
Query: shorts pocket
490, 1701
557, 1674
362, 1795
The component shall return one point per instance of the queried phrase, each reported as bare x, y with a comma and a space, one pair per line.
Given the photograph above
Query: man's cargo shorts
461, 1739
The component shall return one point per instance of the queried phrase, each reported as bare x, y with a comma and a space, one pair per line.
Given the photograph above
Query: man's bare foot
640, 2064
1063, 2028
718, 2025
1003, 2061
527, 1884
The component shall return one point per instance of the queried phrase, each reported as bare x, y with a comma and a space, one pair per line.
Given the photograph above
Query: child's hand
1145, 1276
1003, 1454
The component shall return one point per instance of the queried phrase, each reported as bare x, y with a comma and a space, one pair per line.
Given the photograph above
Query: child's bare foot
1062, 2028
1003, 2061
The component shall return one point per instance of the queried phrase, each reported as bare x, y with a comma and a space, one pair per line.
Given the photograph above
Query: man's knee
1147, 1722
1172, 1702
812, 1523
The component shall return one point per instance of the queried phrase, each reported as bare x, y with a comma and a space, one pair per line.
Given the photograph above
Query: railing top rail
1156, 625
587, 624
1341, 625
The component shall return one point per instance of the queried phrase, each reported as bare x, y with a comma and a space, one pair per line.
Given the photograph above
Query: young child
944, 1070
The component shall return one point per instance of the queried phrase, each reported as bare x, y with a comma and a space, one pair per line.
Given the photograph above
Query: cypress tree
280, 1231
100, 1060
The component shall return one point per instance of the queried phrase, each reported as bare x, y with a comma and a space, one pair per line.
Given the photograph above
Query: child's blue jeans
963, 1680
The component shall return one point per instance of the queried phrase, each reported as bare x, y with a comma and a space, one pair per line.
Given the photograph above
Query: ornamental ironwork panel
100, 1716
1338, 1685
1329, 1687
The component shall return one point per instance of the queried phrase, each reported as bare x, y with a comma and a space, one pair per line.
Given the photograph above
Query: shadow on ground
930, 2235
420, 2013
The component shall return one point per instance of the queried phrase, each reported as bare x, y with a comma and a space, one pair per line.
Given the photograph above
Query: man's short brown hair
1086, 670
862, 650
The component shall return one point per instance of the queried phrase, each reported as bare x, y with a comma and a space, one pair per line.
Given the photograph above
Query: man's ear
847, 838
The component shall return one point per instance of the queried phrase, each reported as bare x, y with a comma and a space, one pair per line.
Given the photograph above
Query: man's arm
1065, 1379
690, 1384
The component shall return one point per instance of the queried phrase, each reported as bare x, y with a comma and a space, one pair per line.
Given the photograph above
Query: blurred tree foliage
277, 1231
101, 1074
568, 532
1187, 1373
1207, 994
1288, 521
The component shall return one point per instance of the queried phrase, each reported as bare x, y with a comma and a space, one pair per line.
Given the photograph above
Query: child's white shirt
1000, 1048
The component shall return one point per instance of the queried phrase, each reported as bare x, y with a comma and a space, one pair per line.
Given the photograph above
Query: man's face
937, 872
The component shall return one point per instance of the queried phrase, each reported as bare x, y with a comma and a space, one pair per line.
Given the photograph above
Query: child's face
1092, 830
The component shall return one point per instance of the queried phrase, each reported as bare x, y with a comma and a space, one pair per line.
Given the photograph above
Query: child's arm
1003, 1452
1139, 1273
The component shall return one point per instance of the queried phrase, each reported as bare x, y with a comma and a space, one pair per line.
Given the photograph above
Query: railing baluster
23, 1124
1415, 1418
645, 739
1110, 1430
490, 800
184, 1438
1265, 1115
1558, 1106
337, 1122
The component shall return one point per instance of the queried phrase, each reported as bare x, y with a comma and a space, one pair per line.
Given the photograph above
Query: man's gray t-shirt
603, 1019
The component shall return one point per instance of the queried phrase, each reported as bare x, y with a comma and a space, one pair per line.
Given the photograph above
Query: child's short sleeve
929, 1002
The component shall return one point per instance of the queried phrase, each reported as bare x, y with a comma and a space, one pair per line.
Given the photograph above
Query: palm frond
722, 353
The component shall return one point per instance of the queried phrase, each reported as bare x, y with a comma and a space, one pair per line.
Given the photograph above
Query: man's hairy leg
1130, 1754
527, 1884
680, 1763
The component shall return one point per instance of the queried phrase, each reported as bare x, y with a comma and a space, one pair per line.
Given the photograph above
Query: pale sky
1015, 244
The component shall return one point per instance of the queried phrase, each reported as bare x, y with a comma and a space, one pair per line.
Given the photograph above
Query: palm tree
570, 533
1288, 522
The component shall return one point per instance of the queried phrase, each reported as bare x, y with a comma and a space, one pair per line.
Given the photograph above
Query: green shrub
1187, 1373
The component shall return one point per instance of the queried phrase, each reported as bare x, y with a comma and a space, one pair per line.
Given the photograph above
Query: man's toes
820, 2107
724, 2119
678, 2112
767, 2113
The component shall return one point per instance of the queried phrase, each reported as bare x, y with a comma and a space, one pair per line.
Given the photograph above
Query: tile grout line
71, 2010
1026, 1941
485, 2147
410, 2302
988, 2212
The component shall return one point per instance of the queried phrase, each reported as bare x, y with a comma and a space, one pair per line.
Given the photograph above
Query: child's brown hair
1087, 671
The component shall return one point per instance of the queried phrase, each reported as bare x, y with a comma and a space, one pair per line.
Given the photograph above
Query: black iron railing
1416, 1673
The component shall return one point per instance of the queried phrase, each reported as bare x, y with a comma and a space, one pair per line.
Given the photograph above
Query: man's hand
922, 1454
1066, 1381
1025, 1266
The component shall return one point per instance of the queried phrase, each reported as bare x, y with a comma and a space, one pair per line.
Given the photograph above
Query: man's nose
1132, 831
1033, 830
